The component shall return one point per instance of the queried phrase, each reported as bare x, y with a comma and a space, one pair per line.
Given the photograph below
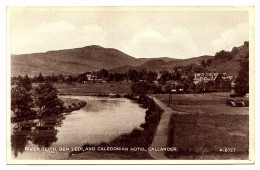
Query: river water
101, 120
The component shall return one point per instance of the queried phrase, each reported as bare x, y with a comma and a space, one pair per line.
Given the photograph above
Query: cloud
184, 45
145, 42
147, 35
56, 36
92, 34
231, 38
151, 43
140, 33
56, 27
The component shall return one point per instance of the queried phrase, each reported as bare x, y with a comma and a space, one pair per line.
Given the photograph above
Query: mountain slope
153, 64
161, 64
232, 66
93, 58
70, 61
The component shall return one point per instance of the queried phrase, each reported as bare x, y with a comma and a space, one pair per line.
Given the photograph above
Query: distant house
184, 77
88, 76
158, 76
215, 81
91, 77
206, 77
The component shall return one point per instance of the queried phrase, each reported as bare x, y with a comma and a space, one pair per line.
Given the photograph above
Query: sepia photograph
130, 85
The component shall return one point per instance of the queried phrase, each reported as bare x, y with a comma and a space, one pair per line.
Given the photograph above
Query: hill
147, 64
69, 61
93, 58
230, 66
161, 64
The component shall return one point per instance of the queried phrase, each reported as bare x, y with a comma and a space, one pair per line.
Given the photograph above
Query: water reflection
41, 132
101, 120
18, 143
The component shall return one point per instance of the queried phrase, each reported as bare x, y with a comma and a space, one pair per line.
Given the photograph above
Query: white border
111, 3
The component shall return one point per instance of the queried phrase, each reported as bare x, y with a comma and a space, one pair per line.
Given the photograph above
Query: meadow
203, 127
93, 88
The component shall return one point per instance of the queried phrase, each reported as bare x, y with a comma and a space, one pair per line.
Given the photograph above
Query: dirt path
160, 138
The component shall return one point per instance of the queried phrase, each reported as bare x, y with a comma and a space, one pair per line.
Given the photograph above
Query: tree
103, 73
197, 68
34, 79
151, 76
40, 78
54, 78
48, 78
203, 63
133, 75
165, 76
201, 87
210, 86
185, 85
81, 78
140, 87
192, 86
47, 99
224, 55
21, 100
176, 75
242, 81
235, 50
25, 82
141, 74
71, 80
118, 77
191, 76
209, 61
60, 78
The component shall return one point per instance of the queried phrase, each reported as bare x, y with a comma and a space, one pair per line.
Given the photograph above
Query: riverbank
70, 105
137, 142
161, 135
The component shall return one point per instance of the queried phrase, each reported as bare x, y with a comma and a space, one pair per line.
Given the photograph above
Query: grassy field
205, 103
205, 128
94, 88
205, 136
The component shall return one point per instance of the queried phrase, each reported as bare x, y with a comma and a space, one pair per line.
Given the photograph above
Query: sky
136, 32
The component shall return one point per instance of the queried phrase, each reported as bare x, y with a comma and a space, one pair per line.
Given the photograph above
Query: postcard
130, 85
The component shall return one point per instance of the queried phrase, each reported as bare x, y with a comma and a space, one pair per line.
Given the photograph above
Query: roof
211, 76
208, 76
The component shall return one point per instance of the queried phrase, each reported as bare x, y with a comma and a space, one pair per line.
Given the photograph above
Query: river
101, 120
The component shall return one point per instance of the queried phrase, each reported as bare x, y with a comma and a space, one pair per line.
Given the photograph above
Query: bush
140, 87
201, 87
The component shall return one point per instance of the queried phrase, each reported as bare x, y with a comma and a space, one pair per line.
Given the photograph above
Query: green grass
94, 88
